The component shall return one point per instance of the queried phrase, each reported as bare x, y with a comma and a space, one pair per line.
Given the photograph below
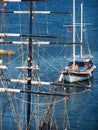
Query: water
82, 107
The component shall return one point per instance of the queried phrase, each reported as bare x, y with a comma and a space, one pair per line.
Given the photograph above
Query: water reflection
77, 87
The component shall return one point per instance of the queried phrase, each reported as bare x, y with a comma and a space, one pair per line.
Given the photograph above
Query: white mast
74, 30
81, 29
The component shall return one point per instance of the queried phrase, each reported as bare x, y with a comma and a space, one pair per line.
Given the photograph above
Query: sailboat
26, 101
81, 66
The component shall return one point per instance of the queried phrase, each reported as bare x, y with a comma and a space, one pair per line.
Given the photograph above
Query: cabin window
78, 63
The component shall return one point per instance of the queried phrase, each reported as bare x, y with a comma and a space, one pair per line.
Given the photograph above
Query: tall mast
74, 26
81, 53
29, 70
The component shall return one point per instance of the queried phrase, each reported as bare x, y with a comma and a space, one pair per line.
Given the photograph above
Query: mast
81, 53
74, 26
29, 70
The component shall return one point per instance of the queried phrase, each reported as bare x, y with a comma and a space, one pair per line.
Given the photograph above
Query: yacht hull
76, 76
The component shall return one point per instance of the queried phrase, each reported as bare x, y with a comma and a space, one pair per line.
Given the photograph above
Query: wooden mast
30, 60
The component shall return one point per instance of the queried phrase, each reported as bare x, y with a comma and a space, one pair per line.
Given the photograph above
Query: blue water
82, 107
